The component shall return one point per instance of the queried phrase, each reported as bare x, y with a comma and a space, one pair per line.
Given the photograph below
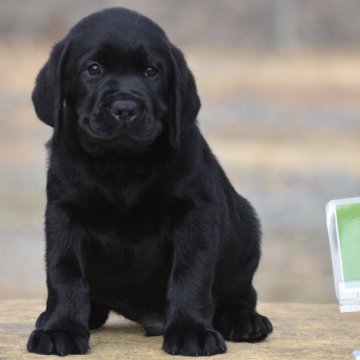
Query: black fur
140, 218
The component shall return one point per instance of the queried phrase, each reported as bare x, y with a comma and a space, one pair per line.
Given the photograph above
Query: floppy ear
185, 101
47, 95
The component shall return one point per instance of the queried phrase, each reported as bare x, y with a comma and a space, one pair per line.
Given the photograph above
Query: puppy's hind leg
236, 317
98, 315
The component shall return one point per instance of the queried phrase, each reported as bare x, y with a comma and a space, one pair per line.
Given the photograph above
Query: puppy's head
122, 80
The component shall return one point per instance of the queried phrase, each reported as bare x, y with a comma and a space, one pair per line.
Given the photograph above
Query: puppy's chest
112, 221
108, 218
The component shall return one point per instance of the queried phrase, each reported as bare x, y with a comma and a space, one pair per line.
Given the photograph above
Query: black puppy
140, 218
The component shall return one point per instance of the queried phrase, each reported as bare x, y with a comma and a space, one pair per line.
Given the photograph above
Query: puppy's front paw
59, 342
193, 340
243, 325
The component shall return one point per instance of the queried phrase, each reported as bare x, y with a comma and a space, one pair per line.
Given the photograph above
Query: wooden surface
300, 332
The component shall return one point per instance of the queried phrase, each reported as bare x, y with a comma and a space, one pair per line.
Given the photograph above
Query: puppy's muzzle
124, 110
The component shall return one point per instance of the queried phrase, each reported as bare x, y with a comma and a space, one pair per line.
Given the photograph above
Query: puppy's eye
151, 71
93, 70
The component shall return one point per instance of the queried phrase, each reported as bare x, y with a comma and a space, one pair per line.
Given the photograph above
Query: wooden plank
301, 331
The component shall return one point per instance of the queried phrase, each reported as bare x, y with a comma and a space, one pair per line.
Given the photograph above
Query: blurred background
280, 88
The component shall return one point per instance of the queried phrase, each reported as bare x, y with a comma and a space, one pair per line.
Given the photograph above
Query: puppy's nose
125, 110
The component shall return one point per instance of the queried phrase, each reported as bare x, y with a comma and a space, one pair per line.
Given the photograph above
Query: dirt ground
285, 128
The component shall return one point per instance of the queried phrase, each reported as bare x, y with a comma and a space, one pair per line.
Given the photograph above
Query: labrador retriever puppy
140, 217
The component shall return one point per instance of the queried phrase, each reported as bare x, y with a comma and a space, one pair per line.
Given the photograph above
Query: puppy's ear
47, 95
185, 101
